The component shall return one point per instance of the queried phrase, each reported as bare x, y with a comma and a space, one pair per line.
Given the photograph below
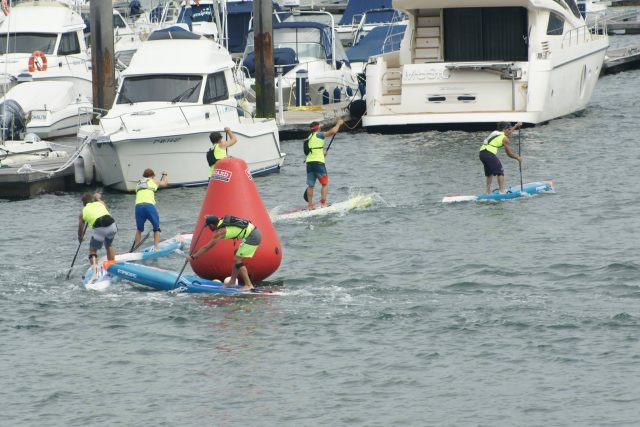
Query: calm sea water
407, 313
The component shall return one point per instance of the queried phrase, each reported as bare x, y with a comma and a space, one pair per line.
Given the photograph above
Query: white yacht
472, 63
44, 40
178, 89
312, 47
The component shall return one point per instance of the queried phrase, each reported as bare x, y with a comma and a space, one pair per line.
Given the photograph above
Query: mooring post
102, 53
263, 45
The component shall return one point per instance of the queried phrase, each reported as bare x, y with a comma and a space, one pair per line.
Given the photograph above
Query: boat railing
576, 36
182, 109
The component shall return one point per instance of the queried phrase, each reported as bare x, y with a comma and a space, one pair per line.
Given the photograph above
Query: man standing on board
315, 160
95, 213
146, 205
489, 150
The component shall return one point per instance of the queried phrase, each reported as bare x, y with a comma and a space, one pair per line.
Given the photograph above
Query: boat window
555, 26
215, 89
69, 44
562, 3
306, 44
160, 88
118, 22
485, 34
574, 8
28, 43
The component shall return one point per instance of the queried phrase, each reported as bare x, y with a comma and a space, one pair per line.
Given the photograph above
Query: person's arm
163, 181
509, 151
216, 236
231, 139
334, 129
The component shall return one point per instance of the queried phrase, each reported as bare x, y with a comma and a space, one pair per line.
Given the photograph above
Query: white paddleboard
356, 202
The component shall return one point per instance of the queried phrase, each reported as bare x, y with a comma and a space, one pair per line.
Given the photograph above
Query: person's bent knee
324, 180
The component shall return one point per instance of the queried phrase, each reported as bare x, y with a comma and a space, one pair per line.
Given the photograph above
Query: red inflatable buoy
231, 191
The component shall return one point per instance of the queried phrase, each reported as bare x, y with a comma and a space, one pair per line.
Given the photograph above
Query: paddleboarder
96, 214
146, 205
231, 227
219, 149
315, 160
489, 150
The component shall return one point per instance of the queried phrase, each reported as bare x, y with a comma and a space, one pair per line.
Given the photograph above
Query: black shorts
491, 162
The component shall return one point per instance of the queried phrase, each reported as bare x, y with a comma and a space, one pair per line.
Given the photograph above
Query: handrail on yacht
582, 34
181, 108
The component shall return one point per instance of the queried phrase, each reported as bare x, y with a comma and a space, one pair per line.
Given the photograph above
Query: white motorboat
50, 109
178, 89
310, 47
45, 41
472, 63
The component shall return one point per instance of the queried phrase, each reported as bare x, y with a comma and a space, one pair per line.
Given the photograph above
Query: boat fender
78, 170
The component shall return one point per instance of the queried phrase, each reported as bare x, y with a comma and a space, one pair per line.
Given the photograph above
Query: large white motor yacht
472, 63
178, 89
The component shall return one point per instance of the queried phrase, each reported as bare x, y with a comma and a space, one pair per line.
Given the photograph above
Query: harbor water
410, 312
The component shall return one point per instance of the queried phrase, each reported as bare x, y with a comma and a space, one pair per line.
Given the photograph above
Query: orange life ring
5, 8
40, 65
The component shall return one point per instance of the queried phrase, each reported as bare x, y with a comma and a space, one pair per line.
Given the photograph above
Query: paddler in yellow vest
316, 168
219, 149
146, 205
488, 153
96, 214
231, 227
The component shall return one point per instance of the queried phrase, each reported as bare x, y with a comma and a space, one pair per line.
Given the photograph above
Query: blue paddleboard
529, 189
104, 278
165, 280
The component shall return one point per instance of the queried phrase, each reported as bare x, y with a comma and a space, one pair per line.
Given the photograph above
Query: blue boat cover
379, 40
358, 7
173, 32
284, 56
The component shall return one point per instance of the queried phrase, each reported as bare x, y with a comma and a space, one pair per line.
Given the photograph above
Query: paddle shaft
77, 250
520, 163
135, 247
186, 260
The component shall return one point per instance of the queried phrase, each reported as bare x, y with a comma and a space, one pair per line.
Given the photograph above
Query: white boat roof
179, 56
48, 17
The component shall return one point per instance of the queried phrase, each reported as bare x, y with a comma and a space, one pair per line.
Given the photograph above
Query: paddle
304, 195
77, 250
190, 253
135, 247
520, 163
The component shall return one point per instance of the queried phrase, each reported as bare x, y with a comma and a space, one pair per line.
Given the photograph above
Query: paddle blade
304, 195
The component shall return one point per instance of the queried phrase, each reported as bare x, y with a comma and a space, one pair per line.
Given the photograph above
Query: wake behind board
164, 280
104, 279
514, 192
356, 202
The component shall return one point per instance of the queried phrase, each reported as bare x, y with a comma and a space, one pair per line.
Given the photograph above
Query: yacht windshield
304, 41
28, 43
160, 88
